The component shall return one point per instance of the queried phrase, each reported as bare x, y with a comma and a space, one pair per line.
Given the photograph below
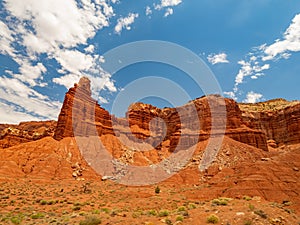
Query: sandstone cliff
11, 135
82, 115
278, 119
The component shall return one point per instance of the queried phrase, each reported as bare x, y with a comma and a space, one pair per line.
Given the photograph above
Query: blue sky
252, 47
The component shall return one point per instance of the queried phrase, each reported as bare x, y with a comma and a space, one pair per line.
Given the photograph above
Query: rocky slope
259, 155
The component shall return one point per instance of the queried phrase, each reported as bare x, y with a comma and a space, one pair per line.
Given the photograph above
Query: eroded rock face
11, 135
181, 127
278, 119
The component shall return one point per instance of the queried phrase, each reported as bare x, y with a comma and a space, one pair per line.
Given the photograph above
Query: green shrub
179, 218
106, 210
247, 198
212, 219
220, 201
37, 216
261, 213
43, 202
163, 213
181, 209
192, 206
251, 207
168, 222
16, 220
247, 222
90, 220
152, 212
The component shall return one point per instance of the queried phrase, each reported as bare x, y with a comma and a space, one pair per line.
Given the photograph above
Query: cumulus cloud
169, 11
253, 97
6, 40
217, 58
289, 43
55, 30
256, 62
9, 113
125, 22
44, 35
167, 3
148, 11
230, 94
249, 68
27, 100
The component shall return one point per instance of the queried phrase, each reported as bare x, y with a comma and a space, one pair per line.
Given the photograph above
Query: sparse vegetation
261, 213
212, 219
248, 222
220, 201
247, 198
37, 216
163, 213
90, 220
179, 218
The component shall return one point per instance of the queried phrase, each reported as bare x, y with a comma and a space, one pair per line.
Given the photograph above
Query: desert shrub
168, 222
179, 218
181, 209
247, 222
163, 213
251, 207
261, 213
247, 198
191, 206
16, 220
76, 208
220, 201
106, 210
90, 220
37, 216
212, 219
43, 202
152, 212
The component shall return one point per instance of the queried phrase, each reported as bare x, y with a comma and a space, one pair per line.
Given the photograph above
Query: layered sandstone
11, 134
278, 119
178, 128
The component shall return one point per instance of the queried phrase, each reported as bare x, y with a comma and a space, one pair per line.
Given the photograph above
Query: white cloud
90, 49
230, 94
74, 61
217, 58
167, 3
9, 113
102, 100
30, 101
249, 68
55, 29
5, 40
148, 11
289, 43
253, 97
60, 31
30, 73
59, 22
169, 11
125, 22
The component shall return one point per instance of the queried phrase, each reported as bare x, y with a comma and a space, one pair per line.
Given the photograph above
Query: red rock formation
11, 135
82, 115
278, 119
